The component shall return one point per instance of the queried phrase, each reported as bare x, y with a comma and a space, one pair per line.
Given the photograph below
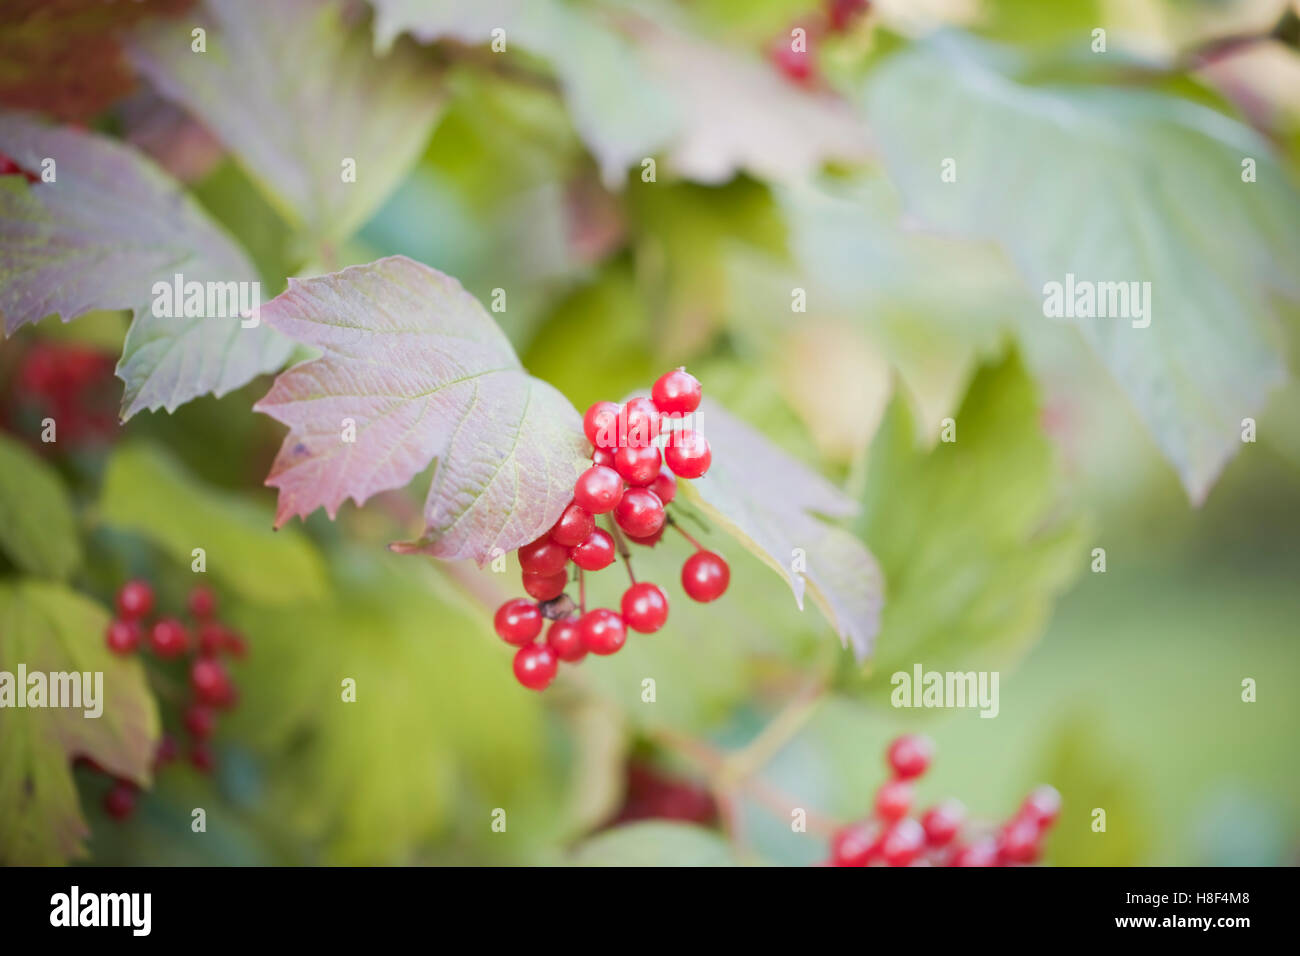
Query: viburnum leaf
616, 108
1157, 195
37, 528
637, 86
294, 90
971, 534
99, 236
421, 371
48, 628
777, 508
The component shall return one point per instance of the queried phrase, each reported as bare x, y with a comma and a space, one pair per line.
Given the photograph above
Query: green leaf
99, 237
421, 371
969, 535
37, 527
437, 715
776, 507
47, 628
655, 844
293, 91
146, 492
1155, 195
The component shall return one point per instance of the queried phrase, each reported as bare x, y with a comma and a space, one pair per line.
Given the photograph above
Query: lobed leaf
293, 91
419, 370
100, 236
1155, 195
49, 628
776, 507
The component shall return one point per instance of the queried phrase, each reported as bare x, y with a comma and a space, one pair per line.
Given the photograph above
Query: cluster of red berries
69, 383
628, 483
201, 646
891, 838
837, 16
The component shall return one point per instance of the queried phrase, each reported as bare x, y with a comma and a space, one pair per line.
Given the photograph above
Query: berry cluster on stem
938, 837
639, 451
201, 645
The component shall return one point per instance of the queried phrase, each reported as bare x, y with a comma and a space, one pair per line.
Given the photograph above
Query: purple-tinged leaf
99, 236
297, 94
776, 507
413, 369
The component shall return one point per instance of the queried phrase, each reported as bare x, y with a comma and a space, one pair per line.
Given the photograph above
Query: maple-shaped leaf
777, 508
48, 628
414, 369
99, 236
295, 91
637, 85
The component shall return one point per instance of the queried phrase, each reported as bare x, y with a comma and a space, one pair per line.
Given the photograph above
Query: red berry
166, 752
842, 13
910, 755
518, 621
545, 587
573, 527
1042, 806
649, 541
543, 557
600, 425
212, 638
705, 576
603, 456
893, 799
603, 631
123, 636
200, 721
980, 853
677, 393
203, 603
941, 822
645, 607
688, 454
855, 844
535, 666
235, 645
135, 600
201, 757
596, 552
565, 638
794, 64
1018, 841
640, 513
598, 489
638, 466
209, 680
902, 842
169, 638
665, 486
119, 802
638, 423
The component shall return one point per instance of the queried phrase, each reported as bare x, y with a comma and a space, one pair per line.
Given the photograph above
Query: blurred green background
1123, 688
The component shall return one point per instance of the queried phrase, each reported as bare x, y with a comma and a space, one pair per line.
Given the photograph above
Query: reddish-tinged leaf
418, 370
98, 237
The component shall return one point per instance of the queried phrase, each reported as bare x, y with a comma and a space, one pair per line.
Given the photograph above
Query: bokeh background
1123, 688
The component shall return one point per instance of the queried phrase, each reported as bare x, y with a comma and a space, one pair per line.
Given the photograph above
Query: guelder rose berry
638, 466
545, 587
598, 489
677, 393
575, 524
893, 799
705, 576
535, 666
688, 454
600, 425
910, 755
596, 552
135, 600
640, 513
565, 638
518, 621
603, 631
645, 607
